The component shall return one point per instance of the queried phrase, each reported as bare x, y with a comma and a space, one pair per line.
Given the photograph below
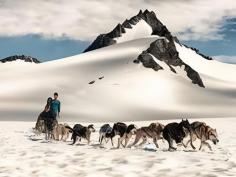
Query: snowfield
23, 154
125, 90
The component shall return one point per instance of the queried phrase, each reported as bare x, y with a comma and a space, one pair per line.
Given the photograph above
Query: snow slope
37, 158
212, 68
128, 91
140, 30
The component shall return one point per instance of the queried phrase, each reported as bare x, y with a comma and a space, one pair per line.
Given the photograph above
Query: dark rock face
193, 75
104, 40
100, 78
165, 51
116, 32
134, 20
158, 28
147, 61
126, 24
92, 82
101, 41
20, 57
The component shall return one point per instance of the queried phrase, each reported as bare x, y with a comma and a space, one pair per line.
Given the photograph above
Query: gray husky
203, 132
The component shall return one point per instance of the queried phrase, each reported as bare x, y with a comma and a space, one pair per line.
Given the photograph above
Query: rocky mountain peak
149, 17
157, 27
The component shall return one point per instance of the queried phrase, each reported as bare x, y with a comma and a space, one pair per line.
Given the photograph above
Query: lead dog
105, 133
81, 131
154, 131
203, 132
176, 132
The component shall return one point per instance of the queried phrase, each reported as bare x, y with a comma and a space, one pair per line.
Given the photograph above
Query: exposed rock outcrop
157, 27
166, 51
147, 61
20, 57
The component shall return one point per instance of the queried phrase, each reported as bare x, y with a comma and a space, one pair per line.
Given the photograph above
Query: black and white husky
105, 133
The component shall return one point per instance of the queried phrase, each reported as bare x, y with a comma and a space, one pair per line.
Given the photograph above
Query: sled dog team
172, 132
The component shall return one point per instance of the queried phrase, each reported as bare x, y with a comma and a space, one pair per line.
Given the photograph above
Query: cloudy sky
52, 29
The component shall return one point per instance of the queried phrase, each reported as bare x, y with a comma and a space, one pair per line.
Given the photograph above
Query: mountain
141, 76
162, 49
20, 57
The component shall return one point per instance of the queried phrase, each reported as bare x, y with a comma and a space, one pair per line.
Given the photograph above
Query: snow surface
210, 68
24, 154
128, 91
139, 30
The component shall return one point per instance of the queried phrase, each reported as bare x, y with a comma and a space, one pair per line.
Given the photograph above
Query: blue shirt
55, 106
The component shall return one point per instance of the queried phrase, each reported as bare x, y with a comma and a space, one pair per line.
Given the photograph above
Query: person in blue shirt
55, 107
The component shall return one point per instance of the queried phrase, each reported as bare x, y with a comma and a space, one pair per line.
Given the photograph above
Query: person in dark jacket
43, 118
47, 115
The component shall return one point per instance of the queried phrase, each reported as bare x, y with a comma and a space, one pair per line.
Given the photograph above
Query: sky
53, 29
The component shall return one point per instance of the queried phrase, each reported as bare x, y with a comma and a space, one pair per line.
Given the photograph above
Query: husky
125, 132
176, 132
203, 132
81, 131
154, 131
60, 129
39, 127
105, 133
130, 131
50, 125
119, 129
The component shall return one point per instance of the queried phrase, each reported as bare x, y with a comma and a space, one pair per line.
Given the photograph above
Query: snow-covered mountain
145, 24
139, 71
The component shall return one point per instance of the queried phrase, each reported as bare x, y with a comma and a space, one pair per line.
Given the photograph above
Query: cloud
84, 20
226, 59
